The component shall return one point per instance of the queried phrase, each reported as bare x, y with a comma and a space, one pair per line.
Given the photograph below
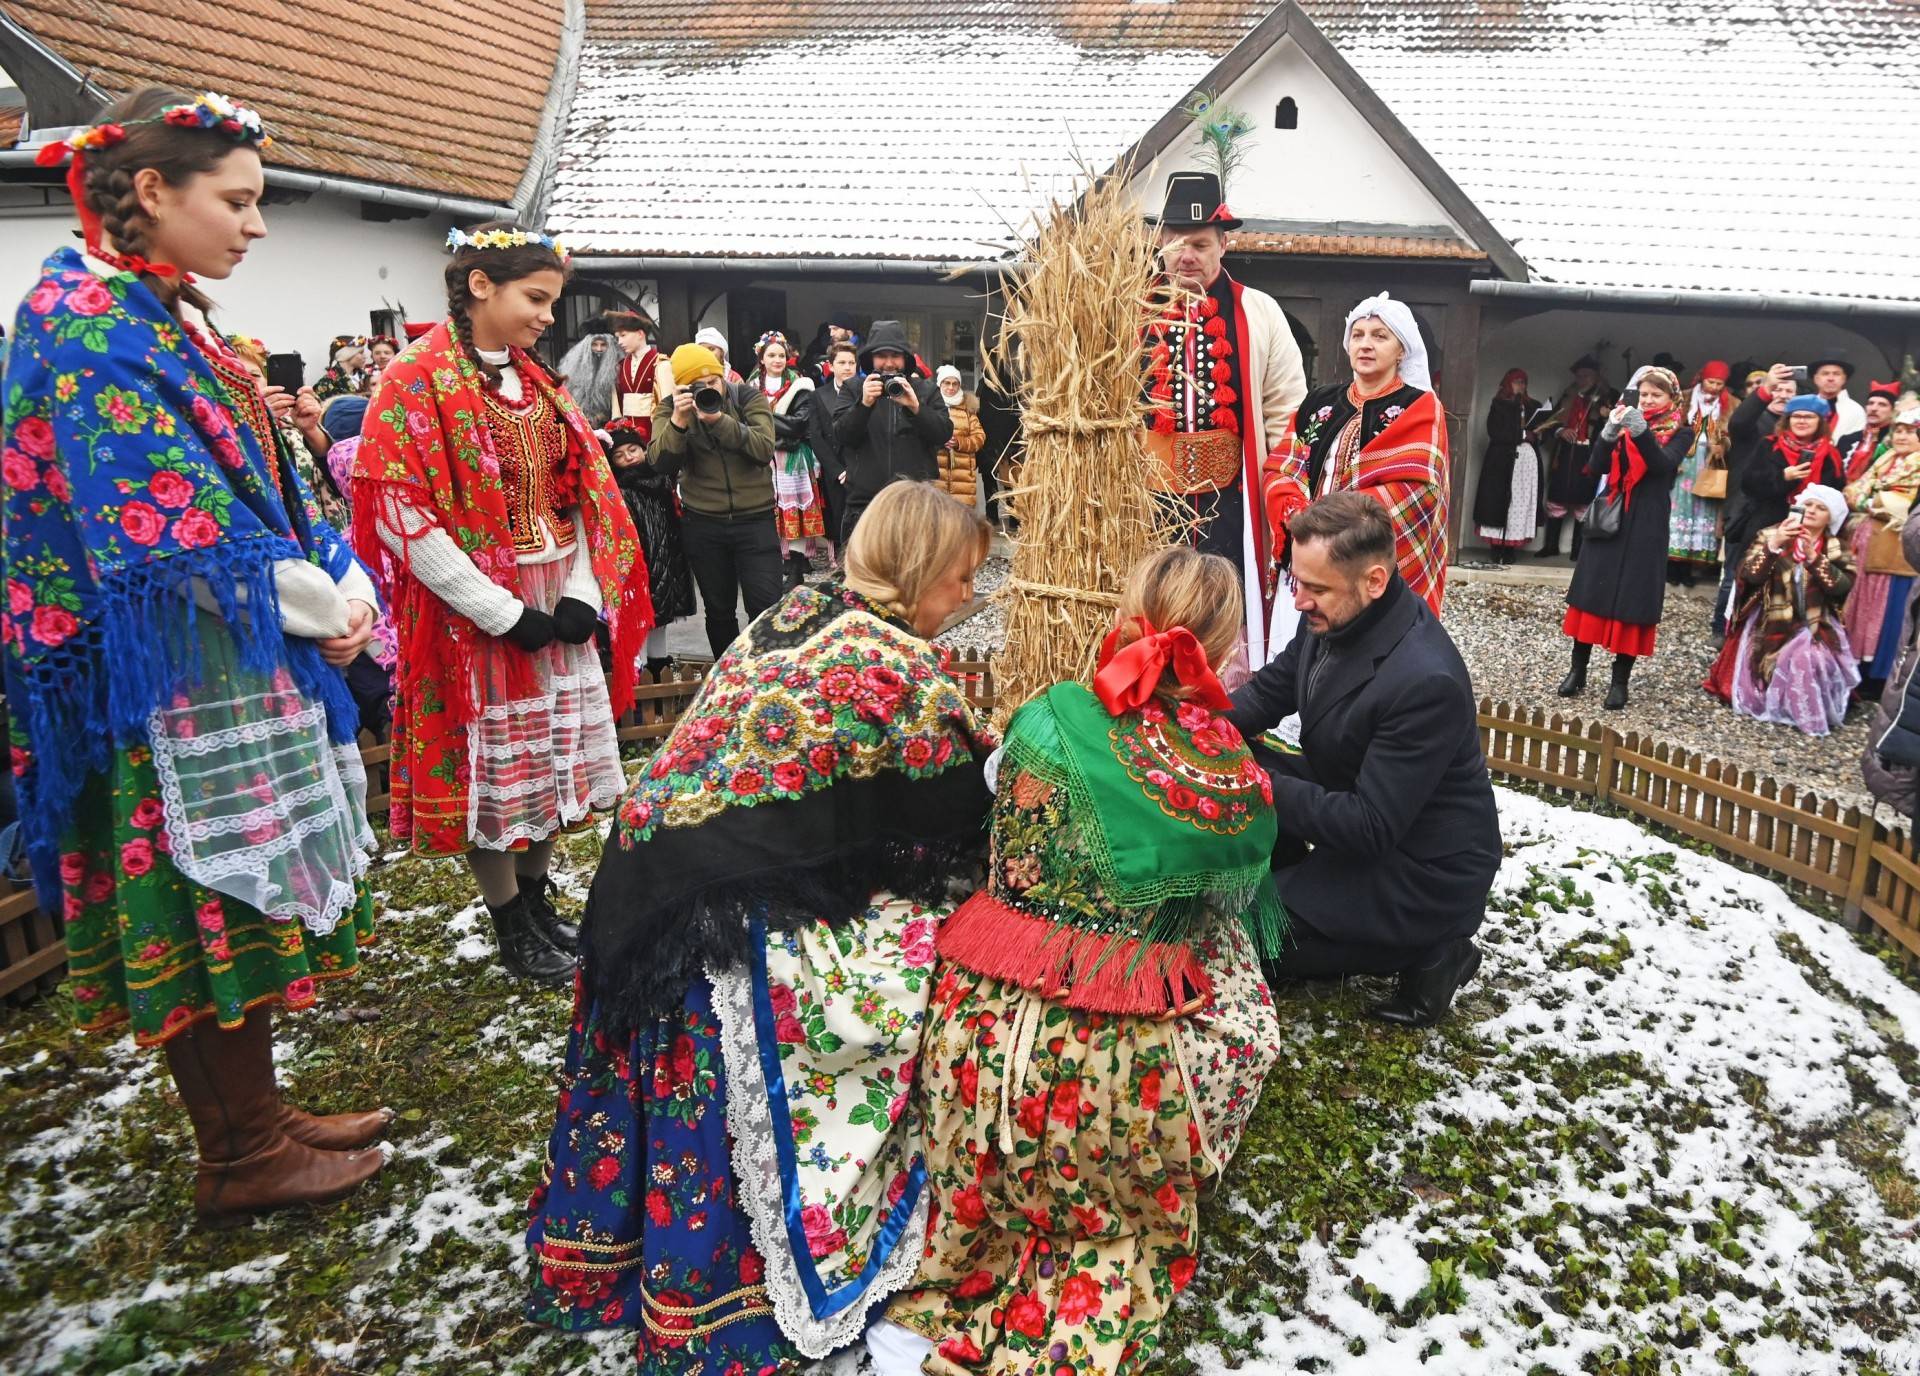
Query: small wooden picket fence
1849, 857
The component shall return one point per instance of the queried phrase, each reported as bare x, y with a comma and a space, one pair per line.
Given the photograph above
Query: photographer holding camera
716, 437
897, 426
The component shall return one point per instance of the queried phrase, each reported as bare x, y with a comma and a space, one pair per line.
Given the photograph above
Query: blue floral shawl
125, 477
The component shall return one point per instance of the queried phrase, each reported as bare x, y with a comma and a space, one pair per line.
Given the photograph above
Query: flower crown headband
211, 111
772, 337
458, 239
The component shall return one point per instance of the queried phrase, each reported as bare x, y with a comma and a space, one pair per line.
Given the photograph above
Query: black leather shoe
524, 952
1616, 696
1425, 995
562, 936
1573, 685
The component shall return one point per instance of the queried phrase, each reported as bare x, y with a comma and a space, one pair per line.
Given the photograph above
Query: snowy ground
1674, 1128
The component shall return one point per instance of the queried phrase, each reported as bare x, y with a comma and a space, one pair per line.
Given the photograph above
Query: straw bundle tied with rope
1070, 352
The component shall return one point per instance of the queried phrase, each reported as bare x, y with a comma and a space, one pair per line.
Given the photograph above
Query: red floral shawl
425, 444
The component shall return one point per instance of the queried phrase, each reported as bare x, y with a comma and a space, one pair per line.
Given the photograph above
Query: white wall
318, 273
1333, 167
1543, 345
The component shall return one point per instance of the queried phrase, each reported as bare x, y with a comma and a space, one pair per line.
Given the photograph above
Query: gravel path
1510, 638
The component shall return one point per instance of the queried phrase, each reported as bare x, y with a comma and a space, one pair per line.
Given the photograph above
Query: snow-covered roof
849, 130
1717, 145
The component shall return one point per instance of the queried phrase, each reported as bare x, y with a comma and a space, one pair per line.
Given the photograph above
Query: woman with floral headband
487, 505
799, 510
177, 623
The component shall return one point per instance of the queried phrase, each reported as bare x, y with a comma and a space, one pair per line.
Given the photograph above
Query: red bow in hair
1127, 678
102, 136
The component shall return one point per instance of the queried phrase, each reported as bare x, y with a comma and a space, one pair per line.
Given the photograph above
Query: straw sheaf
1070, 351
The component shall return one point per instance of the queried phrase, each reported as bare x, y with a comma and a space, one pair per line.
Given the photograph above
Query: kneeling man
1390, 791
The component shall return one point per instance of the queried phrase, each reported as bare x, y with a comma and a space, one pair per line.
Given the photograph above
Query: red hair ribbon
51, 155
1127, 678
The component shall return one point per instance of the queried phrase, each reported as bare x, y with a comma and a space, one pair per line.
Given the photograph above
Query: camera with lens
893, 384
708, 400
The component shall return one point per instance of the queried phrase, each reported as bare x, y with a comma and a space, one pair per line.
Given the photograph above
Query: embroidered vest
531, 443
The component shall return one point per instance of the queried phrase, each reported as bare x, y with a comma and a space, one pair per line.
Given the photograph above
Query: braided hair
177, 153
500, 265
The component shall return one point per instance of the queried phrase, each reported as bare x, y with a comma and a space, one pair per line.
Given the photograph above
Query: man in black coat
833, 396
1391, 790
896, 427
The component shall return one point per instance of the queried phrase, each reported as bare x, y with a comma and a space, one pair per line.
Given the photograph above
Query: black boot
1617, 690
1426, 992
523, 951
1575, 683
538, 893
1550, 545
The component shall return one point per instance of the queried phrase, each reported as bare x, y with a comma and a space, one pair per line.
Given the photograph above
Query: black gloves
533, 631
574, 620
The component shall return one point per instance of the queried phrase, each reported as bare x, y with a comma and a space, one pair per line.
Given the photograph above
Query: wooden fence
1849, 857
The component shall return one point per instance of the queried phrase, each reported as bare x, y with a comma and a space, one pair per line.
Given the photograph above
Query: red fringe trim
1106, 974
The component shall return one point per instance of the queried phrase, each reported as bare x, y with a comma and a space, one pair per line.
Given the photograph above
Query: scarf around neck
827, 757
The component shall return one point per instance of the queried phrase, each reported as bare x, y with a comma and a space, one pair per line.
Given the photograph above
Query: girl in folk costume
1619, 583
177, 624
636, 385
1787, 658
482, 496
1507, 497
1881, 500
382, 349
346, 371
736, 1169
1385, 434
1100, 1027
655, 509
1693, 530
589, 372
800, 512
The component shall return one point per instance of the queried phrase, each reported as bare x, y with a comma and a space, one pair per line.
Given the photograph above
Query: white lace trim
544, 782
758, 1189
536, 831
224, 872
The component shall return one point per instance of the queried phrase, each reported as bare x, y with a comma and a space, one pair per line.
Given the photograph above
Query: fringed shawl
827, 757
1114, 839
425, 444
126, 479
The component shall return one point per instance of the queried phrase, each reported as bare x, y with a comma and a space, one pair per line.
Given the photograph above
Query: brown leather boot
248, 1163
335, 1131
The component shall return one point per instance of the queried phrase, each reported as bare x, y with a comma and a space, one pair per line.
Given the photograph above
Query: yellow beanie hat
693, 360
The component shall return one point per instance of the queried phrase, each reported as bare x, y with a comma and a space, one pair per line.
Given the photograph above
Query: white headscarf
712, 338
1830, 498
1396, 317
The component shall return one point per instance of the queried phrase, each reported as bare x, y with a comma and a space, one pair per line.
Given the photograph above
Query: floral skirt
742, 1181
148, 947
1066, 1151
1813, 676
543, 763
1693, 528
799, 511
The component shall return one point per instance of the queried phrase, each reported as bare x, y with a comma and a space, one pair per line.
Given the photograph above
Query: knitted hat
620, 433
1828, 497
1809, 402
947, 370
693, 360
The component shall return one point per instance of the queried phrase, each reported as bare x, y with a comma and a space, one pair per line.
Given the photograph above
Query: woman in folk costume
1693, 529
1383, 433
1506, 500
1619, 585
735, 1168
178, 619
636, 384
589, 371
655, 509
1100, 1026
346, 370
1787, 658
800, 512
1881, 500
486, 503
